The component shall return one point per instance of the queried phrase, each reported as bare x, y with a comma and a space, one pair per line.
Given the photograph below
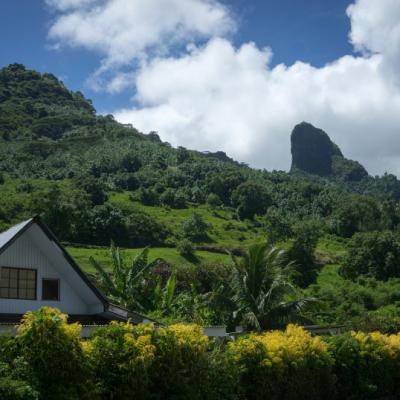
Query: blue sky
231, 75
314, 31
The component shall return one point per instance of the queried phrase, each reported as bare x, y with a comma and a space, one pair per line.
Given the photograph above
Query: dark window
17, 283
51, 289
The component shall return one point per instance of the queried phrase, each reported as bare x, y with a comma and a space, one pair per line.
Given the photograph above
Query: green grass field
327, 252
225, 230
102, 255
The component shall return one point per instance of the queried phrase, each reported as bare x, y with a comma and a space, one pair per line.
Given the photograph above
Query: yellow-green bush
120, 355
180, 367
122, 361
53, 350
283, 365
366, 365
157, 363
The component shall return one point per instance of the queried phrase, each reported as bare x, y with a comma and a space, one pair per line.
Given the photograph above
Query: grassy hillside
94, 180
102, 255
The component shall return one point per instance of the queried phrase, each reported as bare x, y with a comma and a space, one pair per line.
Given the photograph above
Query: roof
110, 310
9, 234
8, 237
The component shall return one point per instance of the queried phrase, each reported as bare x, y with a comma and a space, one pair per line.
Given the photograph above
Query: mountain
313, 152
93, 179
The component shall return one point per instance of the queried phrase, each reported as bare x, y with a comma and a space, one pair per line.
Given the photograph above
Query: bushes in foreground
48, 360
283, 365
367, 365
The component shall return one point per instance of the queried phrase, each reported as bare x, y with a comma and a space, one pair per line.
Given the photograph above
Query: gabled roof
8, 237
111, 311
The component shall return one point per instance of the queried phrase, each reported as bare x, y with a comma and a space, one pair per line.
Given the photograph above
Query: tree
195, 228
251, 198
143, 230
301, 253
213, 200
148, 197
94, 188
376, 254
259, 289
356, 214
182, 155
130, 162
224, 183
106, 223
124, 284
185, 248
278, 224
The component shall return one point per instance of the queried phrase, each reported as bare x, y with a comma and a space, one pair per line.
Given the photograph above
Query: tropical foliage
261, 291
120, 361
125, 283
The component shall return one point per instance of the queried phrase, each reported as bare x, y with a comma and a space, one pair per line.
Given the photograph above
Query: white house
36, 271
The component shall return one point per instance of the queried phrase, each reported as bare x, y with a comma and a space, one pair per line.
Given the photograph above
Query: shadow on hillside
192, 258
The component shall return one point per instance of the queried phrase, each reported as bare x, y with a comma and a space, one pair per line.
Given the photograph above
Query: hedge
49, 360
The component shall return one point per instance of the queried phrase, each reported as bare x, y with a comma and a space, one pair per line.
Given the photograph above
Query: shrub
180, 367
366, 365
223, 376
148, 197
251, 199
174, 198
376, 254
185, 248
163, 363
283, 365
120, 355
195, 228
213, 200
13, 386
53, 351
143, 229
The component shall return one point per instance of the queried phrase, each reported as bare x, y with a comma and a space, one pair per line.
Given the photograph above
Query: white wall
25, 253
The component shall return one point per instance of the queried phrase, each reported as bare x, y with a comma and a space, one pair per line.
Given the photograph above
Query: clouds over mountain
211, 95
126, 32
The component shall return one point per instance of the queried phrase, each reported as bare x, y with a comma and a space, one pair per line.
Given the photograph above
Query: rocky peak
314, 152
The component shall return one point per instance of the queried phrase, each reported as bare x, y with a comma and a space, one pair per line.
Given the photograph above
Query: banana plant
124, 283
163, 298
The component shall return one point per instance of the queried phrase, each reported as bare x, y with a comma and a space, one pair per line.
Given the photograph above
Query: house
36, 271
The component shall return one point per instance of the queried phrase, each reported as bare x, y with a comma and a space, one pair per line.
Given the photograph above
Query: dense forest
94, 181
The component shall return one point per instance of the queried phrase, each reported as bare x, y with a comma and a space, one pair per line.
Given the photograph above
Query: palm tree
260, 289
126, 279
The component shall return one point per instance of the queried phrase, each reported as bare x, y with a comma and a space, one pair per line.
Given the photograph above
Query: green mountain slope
89, 175
94, 180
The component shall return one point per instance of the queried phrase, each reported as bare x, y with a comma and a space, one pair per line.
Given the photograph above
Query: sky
231, 75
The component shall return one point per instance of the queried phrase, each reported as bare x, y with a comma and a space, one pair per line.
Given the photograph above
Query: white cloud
218, 97
376, 29
64, 5
125, 31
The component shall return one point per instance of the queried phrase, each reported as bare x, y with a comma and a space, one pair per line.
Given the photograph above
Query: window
51, 289
17, 283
